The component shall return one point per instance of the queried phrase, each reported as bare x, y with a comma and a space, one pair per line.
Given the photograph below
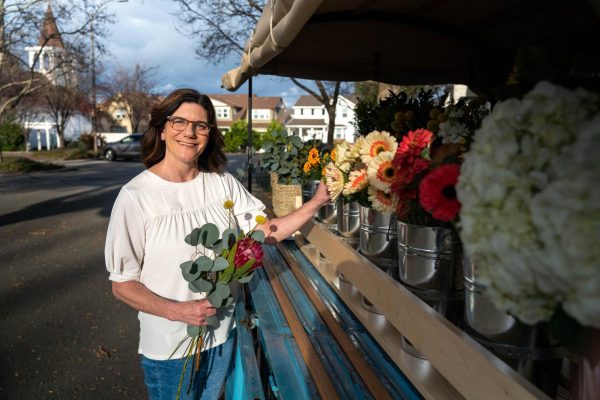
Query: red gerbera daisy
437, 192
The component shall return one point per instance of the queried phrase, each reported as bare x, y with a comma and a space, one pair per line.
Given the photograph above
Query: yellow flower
228, 204
313, 156
307, 167
260, 219
334, 154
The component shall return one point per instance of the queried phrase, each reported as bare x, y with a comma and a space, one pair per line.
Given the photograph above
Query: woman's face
186, 145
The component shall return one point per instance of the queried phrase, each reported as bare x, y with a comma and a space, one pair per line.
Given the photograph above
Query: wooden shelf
456, 367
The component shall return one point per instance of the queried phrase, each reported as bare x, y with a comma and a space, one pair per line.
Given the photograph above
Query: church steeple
50, 36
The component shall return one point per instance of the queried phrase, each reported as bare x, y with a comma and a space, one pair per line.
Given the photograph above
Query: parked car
128, 147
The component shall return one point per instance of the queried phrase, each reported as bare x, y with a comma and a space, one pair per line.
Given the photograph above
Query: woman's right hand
192, 312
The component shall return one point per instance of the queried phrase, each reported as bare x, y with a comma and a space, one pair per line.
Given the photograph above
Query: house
49, 59
116, 115
233, 107
310, 119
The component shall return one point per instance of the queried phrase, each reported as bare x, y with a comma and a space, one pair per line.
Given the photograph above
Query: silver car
128, 147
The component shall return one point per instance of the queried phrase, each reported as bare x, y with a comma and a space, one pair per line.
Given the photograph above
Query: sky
145, 32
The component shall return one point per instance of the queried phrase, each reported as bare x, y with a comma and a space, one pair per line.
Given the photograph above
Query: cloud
145, 32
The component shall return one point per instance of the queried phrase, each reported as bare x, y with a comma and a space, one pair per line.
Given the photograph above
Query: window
302, 111
120, 114
260, 114
222, 112
344, 112
323, 111
312, 111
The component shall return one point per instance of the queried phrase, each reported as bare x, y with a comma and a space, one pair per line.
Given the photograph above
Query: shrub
11, 136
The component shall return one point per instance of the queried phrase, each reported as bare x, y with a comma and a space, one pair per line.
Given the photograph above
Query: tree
132, 89
20, 23
223, 26
367, 91
61, 103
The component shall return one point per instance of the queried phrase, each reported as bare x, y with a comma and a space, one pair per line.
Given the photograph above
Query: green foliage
236, 139
22, 164
284, 155
11, 136
398, 113
367, 91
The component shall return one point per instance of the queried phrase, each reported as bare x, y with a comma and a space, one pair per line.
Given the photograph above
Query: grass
61, 154
22, 164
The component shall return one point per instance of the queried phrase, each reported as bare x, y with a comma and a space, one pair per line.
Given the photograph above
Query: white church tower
50, 57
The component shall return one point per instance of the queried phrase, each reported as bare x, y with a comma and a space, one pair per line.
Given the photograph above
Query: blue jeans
162, 376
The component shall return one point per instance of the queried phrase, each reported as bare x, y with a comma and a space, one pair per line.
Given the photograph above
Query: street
64, 335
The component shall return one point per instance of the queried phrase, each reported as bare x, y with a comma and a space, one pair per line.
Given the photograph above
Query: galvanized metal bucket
530, 350
348, 218
430, 265
309, 189
328, 213
378, 235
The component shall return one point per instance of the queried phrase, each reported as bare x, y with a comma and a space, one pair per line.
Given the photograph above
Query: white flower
381, 201
375, 143
335, 180
381, 172
530, 195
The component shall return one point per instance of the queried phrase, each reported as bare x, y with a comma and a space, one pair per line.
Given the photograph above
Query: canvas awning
410, 41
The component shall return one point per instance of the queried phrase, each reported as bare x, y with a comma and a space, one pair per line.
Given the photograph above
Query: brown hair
212, 158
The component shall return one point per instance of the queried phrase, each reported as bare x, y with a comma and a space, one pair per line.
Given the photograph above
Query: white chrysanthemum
335, 180
452, 131
530, 213
381, 201
375, 143
343, 161
357, 181
381, 172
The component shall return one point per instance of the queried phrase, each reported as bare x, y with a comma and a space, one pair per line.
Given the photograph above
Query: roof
308, 101
410, 42
241, 100
305, 121
50, 36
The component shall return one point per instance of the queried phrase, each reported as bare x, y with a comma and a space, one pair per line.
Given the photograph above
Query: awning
410, 41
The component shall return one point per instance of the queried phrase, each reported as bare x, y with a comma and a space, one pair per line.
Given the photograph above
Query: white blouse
145, 242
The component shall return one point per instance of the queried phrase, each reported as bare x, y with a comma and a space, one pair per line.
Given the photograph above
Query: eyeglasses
200, 128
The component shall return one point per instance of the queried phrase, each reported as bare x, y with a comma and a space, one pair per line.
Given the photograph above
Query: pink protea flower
247, 249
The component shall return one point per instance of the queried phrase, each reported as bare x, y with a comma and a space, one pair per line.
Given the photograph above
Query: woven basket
286, 198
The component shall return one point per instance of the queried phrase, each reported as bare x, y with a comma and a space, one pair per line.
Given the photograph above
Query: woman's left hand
322, 194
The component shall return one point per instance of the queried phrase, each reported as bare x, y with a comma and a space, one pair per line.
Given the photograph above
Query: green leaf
247, 278
213, 321
258, 235
194, 237
218, 246
190, 270
228, 301
209, 234
243, 270
223, 289
231, 255
274, 166
215, 299
294, 152
202, 285
283, 171
229, 237
193, 330
193, 288
219, 264
204, 263
297, 142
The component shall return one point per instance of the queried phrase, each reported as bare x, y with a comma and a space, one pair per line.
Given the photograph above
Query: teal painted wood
340, 370
393, 379
292, 380
244, 382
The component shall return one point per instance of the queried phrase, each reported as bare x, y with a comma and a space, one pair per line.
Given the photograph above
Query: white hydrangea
530, 195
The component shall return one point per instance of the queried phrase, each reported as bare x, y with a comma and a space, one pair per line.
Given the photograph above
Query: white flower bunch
530, 194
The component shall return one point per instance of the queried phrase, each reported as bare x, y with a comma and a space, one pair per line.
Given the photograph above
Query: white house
310, 120
48, 59
233, 107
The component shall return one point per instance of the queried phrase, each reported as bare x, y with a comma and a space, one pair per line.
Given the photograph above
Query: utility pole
94, 127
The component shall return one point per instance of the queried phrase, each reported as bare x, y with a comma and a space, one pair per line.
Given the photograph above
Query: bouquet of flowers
315, 164
427, 164
363, 171
218, 260
530, 197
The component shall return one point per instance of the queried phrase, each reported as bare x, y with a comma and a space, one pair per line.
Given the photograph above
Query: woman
183, 187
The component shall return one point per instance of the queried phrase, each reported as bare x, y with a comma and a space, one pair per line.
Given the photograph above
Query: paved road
62, 334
